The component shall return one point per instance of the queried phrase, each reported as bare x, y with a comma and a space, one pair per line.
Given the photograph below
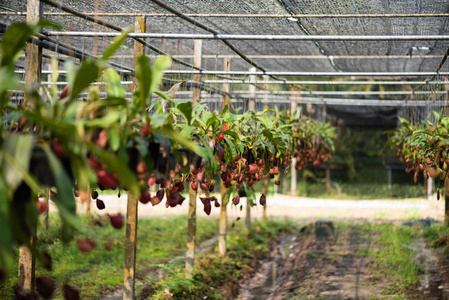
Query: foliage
54, 141
423, 147
71, 144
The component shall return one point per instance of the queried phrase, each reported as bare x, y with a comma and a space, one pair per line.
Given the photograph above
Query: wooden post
226, 86
328, 177
132, 204
252, 91
251, 107
223, 213
130, 248
293, 181
33, 53
33, 62
223, 221
266, 87
27, 268
139, 49
446, 201
265, 180
191, 222
429, 188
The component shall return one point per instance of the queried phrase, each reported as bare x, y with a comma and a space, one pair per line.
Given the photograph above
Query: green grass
393, 258
101, 271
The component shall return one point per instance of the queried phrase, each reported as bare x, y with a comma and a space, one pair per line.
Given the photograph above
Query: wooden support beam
33, 53
328, 177
251, 107
33, 62
226, 84
266, 86
132, 205
446, 201
223, 221
293, 106
27, 268
191, 222
130, 248
252, 91
222, 232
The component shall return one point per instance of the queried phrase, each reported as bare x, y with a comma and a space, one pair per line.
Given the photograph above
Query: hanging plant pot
40, 167
155, 150
242, 192
249, 156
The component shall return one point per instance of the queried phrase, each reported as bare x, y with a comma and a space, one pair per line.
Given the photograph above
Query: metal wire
268, 16
252, 37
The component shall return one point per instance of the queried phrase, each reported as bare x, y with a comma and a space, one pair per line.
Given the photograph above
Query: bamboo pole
191, 223
132, 204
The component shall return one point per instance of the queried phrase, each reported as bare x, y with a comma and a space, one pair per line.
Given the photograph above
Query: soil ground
323, 269
305, 268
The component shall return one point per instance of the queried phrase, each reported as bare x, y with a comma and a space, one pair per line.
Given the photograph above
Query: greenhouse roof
404, 39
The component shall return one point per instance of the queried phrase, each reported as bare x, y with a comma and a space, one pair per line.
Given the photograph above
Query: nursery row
59, 143
424, 147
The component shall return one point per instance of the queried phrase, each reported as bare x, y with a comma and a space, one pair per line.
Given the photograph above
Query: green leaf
65, 200
231, 147
88, 73
181, 140
171, 93
144, 79
13, 42
232, 133
6, 249
159, 120
19, 148
186, 110
116, 43
72, 110
186, 130
113, 87
157, 71
9, 80
107, 121
114, 138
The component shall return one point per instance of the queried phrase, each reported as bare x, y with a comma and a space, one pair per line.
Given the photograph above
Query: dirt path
307, 267
297, 207
328, 269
